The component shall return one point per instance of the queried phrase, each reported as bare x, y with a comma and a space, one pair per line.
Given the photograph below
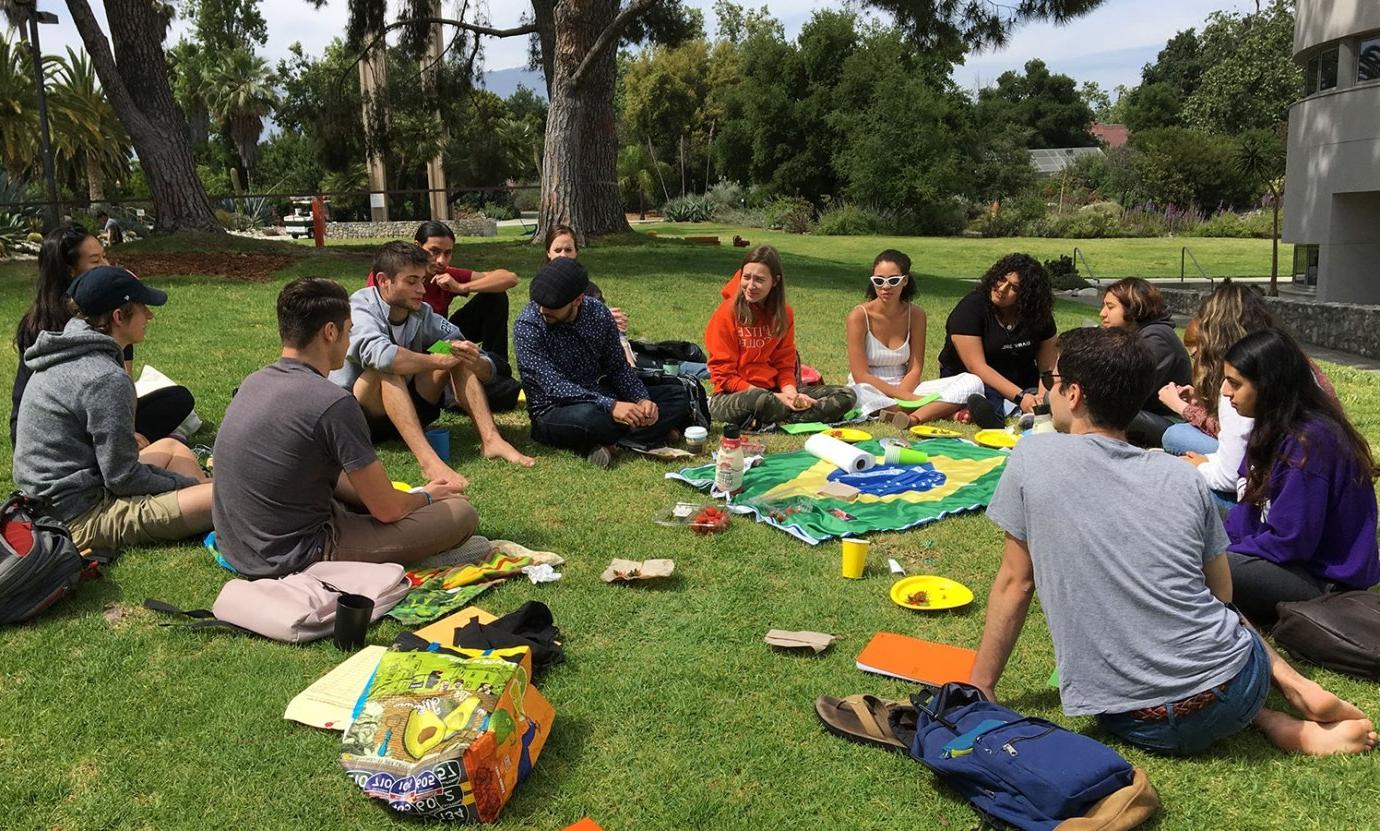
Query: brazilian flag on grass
783, 489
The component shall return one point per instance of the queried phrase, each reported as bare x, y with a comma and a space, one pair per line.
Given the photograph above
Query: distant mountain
504, 82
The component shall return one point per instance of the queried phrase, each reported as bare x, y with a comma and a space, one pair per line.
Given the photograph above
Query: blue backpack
1024, 772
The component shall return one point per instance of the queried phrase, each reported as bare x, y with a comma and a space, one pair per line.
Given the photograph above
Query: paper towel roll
839, 453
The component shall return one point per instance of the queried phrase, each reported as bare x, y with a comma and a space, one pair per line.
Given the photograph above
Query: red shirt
437, 297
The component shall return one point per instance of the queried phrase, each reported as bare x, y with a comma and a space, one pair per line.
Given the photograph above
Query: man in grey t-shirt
1125, 548
281, 501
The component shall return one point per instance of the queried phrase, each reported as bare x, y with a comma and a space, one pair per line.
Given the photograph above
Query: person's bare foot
1314, 739
501, 449
1315, 703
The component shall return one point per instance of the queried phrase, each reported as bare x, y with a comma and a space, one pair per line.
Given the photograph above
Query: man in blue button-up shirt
581, 393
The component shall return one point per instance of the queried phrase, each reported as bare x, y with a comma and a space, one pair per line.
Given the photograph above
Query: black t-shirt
1010, 352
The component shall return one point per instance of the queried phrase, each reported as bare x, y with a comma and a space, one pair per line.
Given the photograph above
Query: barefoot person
1002, 332
752, 358
297, 479
1307, 517
886, 348
75, 445
398, 382
1126, 550
483, 317
581, 393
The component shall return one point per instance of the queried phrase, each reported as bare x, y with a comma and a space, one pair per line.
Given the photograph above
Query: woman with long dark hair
68, 251
886, 348
1003, 332
752, 358
1137, 306
1307, 517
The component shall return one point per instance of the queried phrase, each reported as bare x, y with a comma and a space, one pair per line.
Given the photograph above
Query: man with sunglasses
1125, 548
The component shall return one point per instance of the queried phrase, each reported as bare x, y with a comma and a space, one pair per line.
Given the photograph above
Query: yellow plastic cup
854, 558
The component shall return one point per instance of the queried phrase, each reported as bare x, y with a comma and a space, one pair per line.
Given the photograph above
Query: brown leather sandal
865, 719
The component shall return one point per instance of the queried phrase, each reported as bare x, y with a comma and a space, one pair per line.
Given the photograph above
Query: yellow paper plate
995, 438
934, 432
402, 486
941, 593
848, 434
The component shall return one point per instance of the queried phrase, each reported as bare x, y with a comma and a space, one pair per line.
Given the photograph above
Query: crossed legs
1328, 725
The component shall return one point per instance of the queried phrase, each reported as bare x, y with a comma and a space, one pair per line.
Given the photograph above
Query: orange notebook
912, 659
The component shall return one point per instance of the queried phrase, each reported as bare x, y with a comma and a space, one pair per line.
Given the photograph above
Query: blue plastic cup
439, 439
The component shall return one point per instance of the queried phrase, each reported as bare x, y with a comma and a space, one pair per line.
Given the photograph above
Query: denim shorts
1238, 702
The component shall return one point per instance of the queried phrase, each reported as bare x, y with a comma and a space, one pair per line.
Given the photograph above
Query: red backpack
39, 564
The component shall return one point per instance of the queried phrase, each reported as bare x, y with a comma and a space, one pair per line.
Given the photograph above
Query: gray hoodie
75, 438
372, 342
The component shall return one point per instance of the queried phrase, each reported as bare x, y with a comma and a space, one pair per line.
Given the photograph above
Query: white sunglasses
894, 280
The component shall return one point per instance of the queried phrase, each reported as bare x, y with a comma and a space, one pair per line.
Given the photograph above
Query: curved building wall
1318, 21
1332, 180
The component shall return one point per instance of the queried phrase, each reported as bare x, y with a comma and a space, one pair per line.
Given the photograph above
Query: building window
1368, 61
1306, 265
1327, 74
1320, 73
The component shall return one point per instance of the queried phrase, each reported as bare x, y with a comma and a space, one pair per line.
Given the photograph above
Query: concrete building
1332, 184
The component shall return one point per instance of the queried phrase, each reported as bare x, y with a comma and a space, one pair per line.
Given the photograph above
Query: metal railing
1184, 256
1079, 255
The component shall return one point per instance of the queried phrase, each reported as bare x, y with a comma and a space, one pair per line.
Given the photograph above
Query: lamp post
51, 210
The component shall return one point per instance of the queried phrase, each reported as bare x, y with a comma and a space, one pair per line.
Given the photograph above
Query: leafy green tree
1179, 65
1252, 80
1047, 103
1187, 167
905, 132
1150, 106
321, 101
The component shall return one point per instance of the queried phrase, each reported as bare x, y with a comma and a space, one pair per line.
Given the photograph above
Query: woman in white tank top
886, 348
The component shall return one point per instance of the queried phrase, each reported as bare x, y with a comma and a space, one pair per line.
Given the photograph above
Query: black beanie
558, 283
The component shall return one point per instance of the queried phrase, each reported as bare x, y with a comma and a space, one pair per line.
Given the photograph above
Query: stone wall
405, 230
1343, 326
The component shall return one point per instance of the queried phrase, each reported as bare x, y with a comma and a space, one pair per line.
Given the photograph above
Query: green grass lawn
672, 713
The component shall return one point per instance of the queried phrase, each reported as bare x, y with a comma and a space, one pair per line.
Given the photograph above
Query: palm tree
187, 72
88, 139
239, 94
18, 110
1260, 159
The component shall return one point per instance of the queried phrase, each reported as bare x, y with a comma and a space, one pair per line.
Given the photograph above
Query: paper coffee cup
854, 557
695, 438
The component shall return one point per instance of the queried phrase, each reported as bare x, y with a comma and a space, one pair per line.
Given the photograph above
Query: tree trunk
138, 89
579, 183
95, 179
1274, 250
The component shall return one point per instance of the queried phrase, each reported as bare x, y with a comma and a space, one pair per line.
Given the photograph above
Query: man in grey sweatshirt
74, 443
399, 379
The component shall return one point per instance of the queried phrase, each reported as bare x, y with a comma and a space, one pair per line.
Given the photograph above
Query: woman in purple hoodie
1306, 521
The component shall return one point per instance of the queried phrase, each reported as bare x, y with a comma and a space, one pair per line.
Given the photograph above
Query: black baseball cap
106, 288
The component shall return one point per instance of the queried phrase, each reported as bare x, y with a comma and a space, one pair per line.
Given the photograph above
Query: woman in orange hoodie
752, 361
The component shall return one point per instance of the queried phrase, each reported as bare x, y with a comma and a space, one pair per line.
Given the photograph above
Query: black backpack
39, 564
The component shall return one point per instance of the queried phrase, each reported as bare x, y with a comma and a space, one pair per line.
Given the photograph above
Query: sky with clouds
1108, 46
